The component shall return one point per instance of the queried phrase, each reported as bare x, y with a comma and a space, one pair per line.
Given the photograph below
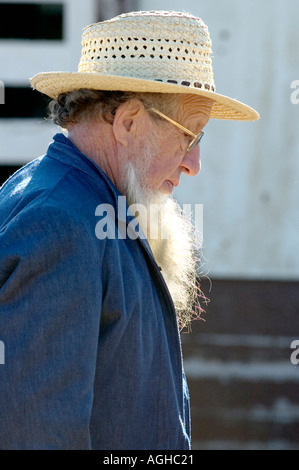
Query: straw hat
147, 51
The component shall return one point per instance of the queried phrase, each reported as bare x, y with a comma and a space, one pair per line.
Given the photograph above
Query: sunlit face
171, 158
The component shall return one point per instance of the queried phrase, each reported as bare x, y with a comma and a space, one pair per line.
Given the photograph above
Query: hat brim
54, 83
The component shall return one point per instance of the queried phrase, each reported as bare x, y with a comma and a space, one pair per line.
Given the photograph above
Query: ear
127, 121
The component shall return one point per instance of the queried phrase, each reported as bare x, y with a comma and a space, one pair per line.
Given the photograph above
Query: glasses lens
195, 141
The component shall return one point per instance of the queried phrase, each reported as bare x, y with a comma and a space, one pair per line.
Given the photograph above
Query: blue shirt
92, 349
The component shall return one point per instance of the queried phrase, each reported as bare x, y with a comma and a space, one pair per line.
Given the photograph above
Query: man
92, 299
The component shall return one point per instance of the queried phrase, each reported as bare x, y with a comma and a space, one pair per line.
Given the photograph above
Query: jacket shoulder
50, 184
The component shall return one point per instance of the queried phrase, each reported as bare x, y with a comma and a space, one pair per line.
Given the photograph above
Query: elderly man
90, 317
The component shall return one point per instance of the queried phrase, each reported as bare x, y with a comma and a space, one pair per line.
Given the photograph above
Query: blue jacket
92, 349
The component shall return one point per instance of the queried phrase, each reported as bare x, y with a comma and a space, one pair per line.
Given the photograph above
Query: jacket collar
63, 150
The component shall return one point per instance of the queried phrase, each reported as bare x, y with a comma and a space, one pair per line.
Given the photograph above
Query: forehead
194, 108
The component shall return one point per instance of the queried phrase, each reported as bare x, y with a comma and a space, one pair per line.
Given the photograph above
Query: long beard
172, 239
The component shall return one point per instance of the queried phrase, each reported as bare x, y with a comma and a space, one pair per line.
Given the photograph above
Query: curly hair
85, 104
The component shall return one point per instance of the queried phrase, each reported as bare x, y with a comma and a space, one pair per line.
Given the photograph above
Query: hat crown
169, 47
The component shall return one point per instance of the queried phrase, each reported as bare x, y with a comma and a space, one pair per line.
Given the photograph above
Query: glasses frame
196, 137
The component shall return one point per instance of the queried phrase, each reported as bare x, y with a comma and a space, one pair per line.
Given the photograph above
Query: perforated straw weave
148, 51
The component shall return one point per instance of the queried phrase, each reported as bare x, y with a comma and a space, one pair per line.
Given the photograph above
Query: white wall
249, 183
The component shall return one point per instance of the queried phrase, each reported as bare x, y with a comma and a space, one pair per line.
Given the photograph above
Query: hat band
204, 86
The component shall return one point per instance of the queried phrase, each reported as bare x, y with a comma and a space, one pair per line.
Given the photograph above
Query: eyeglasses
196, 137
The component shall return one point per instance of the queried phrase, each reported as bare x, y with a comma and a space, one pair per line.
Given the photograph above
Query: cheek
170, 154
163, 166
165, 162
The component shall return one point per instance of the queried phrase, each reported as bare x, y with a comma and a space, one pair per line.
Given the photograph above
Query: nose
190, 164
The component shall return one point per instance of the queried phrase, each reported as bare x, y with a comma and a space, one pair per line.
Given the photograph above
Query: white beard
171, 238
